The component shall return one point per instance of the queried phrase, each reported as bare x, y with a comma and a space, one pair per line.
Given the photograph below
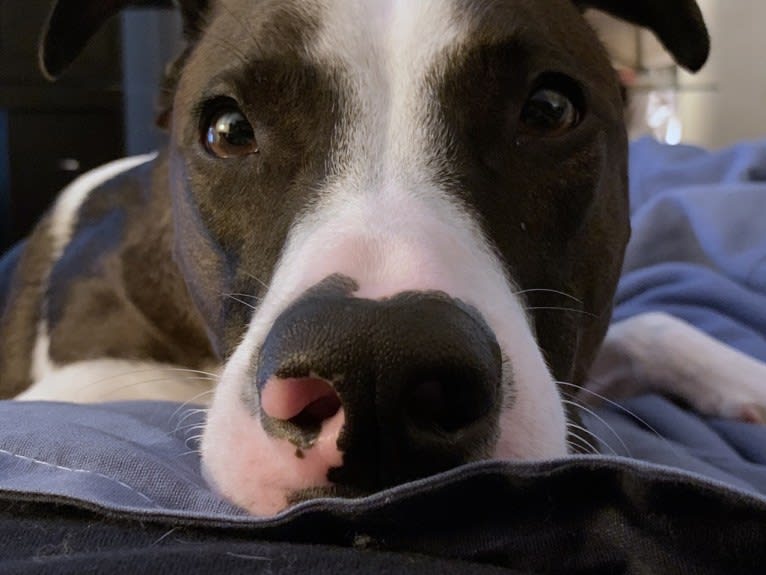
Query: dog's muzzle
412, 381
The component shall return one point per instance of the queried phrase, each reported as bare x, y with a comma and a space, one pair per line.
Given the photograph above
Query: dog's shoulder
8, 264
81, 241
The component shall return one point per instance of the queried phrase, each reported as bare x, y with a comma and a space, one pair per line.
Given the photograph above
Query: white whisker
602, 420
111, 382
131, 372
190, 452
115, 389
598, 439
627, 411
558, 308
193, 438
587, 443
198, 371
190, 430
188, 401
553, 291
245, 295
260, 281
178, 428
244, 303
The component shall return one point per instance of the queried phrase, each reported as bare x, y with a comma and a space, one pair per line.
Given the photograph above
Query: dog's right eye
553, 108
228, 134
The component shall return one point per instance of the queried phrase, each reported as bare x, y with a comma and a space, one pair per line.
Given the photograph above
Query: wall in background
52, 132
726, 102
102, 108
150, 38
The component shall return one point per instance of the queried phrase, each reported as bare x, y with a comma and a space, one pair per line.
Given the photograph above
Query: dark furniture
51, 132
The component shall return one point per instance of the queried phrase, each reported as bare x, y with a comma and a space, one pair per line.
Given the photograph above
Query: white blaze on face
384, 221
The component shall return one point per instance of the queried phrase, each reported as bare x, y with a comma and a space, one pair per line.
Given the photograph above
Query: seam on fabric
86, 471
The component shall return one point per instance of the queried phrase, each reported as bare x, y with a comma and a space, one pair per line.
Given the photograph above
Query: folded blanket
698, 249
117, 487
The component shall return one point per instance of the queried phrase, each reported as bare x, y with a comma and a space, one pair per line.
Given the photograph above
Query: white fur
62, 224
385, 222
658, 352
116, 380
64, 217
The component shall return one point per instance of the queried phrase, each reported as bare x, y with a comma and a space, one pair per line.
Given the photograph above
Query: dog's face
427, 202
384, 148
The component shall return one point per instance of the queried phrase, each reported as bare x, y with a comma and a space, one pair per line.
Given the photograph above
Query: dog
359, 239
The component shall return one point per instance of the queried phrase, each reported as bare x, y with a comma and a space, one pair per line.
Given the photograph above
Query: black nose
418, 376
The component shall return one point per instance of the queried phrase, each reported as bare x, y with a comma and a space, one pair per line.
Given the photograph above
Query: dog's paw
656, 352
753, 414
746, 412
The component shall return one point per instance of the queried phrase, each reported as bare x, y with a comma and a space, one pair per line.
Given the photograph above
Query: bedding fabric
118, 488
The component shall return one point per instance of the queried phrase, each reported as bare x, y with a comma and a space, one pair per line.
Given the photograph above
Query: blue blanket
698, 249
118, 486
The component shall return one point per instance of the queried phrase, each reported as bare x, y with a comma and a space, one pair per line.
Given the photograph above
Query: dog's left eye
549, 112
228, 134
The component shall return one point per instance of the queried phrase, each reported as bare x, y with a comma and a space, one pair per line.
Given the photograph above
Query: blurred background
104, 106
725, 102
101, 109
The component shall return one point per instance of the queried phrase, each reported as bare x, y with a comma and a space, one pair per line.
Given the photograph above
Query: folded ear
678, 24
73, 22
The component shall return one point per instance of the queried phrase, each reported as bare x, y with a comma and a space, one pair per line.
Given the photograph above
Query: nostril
428, 405
445, 405
315, 413
305, 402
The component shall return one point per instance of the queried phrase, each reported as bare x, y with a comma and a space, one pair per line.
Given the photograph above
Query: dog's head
424, 203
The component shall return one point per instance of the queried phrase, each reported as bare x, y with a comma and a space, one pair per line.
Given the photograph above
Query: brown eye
228, 134
549, 112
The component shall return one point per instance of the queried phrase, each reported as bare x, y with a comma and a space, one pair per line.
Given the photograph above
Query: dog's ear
678, 24
72, 23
